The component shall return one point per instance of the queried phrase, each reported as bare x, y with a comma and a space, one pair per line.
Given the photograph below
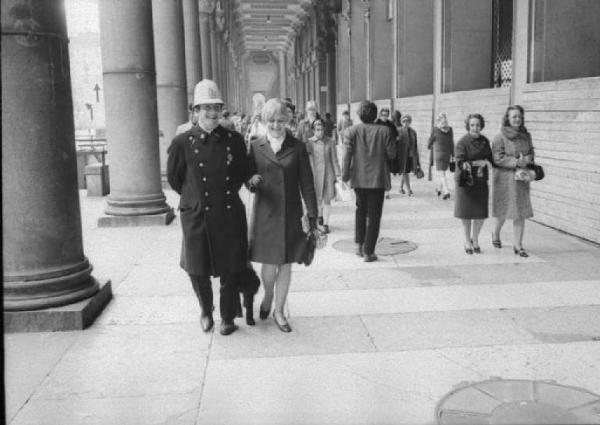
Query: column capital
206, 6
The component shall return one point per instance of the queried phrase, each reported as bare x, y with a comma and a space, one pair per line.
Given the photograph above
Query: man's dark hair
225, 113
367, 111
327, 115
346, 113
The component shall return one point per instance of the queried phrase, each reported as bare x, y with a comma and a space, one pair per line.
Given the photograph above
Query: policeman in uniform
207, 166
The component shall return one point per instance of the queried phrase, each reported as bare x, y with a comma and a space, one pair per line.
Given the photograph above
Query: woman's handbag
538, 170
343, 193
466, 178
452, 165
419, 173
315, 239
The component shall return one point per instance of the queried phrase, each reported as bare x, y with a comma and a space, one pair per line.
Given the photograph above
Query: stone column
43, 261
520, 39
282, 73
213, 49
193, 64
169, 58
368, 49
205, 8
438, 51
331, 89
136, 196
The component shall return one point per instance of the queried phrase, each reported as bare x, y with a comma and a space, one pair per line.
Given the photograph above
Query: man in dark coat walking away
368, 147
207, 166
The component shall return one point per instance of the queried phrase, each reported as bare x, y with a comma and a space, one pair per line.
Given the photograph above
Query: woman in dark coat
441, 144
281, 173
512, 149
384, 119
408, 153
473, 159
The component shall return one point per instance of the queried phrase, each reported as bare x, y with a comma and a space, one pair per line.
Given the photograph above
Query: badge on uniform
229, 158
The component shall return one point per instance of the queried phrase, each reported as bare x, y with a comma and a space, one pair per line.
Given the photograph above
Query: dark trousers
228, 300
369, 205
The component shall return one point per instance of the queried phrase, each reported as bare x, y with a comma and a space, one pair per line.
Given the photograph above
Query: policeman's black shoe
227, 328
369, 258
359, 250
249, 306
206, 322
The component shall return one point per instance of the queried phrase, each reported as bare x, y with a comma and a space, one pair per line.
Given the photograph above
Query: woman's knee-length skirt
471, 203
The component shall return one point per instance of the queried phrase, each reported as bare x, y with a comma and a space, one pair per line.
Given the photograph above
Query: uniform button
229, 134
201, 164
190, 138
207, 208
205, 193
203, 179
202, 136
228, 192
228, 207
227, 178
228, 148
196, 151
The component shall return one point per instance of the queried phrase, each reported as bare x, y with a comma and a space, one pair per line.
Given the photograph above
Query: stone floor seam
43, 380
368, 333
208, 352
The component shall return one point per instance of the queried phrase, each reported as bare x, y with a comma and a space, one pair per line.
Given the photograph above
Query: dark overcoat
276, 235
408, 148
207, 170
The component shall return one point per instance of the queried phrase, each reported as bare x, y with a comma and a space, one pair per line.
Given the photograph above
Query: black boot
249, 306
203, 290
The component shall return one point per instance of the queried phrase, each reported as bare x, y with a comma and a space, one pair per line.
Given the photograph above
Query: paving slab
130, 361
310, 336
29, 358
376, 388
170, 409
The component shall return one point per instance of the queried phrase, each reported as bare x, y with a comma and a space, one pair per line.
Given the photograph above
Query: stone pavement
372, 343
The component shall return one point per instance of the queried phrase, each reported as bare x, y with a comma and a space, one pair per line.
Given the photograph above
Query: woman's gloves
255, 182
312, 223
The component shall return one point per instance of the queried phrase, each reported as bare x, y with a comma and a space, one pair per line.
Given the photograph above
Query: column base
162, 219
76, 316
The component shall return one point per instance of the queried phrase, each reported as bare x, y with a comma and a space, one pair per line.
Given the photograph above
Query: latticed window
502, 43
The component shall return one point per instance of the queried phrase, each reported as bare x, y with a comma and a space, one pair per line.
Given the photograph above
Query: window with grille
502, 43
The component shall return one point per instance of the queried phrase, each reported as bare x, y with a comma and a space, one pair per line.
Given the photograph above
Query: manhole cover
512, 401
385, 246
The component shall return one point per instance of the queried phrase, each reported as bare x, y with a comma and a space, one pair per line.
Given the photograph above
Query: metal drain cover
385, 246
513, 401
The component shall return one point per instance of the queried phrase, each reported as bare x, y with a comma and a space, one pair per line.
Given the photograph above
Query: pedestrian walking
281, 177
368, 147
326, 169
473, 161
512, 150
441, 145
384, 119
305, 126
408, 153
207, 166
192, 121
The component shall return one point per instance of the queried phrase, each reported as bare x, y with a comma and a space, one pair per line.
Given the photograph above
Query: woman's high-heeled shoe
496, 242
476, 249
469, 249
263, 314
520, 252
283, 327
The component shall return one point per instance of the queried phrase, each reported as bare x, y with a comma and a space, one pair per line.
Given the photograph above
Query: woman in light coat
441, 144
281, 173
326, 169
512, 150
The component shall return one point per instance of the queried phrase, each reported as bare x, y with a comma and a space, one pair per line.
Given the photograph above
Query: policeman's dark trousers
228, 300
369, 206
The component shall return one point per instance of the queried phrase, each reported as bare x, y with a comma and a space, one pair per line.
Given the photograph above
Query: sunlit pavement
372, 343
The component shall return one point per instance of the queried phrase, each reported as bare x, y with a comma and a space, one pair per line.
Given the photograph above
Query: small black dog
248, 284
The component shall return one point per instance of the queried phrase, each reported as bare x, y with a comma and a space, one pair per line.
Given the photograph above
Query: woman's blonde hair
439, 118
274, 107
311, 104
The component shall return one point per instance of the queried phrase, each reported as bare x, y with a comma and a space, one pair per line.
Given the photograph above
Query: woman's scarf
512, 133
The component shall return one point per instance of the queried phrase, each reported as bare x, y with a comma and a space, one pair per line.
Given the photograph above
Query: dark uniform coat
276, 235
207, 170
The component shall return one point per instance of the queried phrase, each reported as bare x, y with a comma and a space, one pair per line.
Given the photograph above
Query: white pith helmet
207, 92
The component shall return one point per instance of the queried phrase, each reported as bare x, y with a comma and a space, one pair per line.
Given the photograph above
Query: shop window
502, 43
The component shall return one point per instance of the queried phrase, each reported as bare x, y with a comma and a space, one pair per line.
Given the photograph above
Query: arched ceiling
268, 24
